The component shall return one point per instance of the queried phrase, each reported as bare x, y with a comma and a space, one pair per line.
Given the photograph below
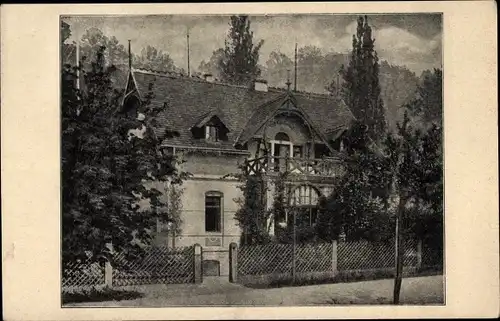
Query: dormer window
211, 133
211, 128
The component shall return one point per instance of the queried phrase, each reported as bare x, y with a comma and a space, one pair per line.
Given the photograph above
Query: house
214, 127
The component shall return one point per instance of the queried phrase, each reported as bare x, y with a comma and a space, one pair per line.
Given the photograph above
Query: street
219, 292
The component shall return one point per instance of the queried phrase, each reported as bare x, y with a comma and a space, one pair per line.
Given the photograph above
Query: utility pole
77, 59
188, 66
129, 56
294, 268
295, 82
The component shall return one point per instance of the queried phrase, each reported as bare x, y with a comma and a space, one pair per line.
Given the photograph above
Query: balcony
305, 167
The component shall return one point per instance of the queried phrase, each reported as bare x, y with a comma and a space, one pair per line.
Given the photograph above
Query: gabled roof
285, 103
188, 101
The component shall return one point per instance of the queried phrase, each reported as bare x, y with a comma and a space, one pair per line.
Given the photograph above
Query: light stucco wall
207, 172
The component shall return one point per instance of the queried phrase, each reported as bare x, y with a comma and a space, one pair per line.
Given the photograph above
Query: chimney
208, 77
260, 85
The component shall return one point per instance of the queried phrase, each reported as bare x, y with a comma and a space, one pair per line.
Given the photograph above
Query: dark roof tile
186, 100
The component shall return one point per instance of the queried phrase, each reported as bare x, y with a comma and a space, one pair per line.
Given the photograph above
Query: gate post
198, 274
334, 257
233, 262
108, 274
419, 254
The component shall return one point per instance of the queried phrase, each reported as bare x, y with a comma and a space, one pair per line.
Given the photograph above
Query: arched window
304, 203
282, 137
305, 195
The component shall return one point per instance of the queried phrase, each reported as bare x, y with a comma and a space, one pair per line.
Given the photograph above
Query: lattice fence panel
278, 258
82, 275
367, 255
313, 258
160, 265
265, 259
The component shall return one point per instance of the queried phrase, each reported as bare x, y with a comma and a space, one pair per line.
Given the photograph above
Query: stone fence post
419, 254
233, 262
198, 271
108, 274
334, 257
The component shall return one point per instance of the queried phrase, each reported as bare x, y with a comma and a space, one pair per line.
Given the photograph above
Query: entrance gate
215, 262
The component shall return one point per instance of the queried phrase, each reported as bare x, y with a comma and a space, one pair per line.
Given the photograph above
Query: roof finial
288, 83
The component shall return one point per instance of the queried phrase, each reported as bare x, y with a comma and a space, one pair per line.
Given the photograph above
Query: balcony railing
326, 167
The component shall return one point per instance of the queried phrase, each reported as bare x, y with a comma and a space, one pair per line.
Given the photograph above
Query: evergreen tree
105, 168
241, 55
428, 103
361, 89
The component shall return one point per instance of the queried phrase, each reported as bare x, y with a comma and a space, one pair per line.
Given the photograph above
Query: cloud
402, 44
399, 46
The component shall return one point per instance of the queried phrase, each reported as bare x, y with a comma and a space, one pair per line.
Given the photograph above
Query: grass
95, 294
341, 277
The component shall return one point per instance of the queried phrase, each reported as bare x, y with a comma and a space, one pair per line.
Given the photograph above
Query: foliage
95, 294
252, 216
68, 50
428, 103
105, 167
276, 68
357, 207
360, 88
241, 55
154, 59
212, 66
174, 207
115, 53
398, 86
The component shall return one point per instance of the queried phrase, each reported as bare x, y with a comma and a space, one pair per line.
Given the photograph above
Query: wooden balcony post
269, 163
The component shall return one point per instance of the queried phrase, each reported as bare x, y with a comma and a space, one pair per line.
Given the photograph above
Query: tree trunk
399, 249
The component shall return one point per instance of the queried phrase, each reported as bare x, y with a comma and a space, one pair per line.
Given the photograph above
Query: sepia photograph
251, 160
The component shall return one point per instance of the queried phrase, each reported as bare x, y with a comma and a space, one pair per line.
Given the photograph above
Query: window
297, 151
211, 133
213, 211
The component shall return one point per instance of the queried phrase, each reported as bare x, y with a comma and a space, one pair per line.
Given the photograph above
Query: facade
214, 127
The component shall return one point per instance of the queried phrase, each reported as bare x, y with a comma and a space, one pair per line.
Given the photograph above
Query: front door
281, 151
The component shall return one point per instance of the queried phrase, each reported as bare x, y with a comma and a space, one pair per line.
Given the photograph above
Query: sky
411, 40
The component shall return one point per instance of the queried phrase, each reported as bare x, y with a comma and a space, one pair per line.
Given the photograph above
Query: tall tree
154, 59
68, 50
106, 167
398, 86
361, 88
115, 53
241, 55
357, 206
277, 66
212, 65
428, 103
